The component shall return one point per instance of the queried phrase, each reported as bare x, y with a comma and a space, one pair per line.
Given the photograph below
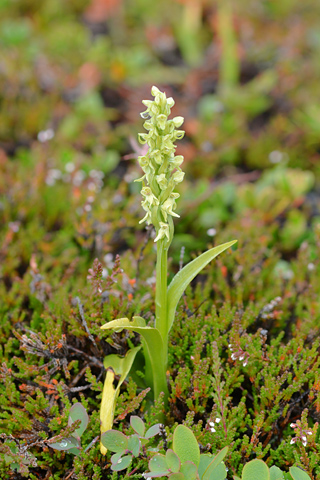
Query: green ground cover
245, 343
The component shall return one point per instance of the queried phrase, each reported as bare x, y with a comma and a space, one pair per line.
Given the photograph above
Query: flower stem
161, 307
161, 288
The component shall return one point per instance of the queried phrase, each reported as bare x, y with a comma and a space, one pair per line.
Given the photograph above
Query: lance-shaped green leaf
205, 460
153, 343
119, 366
298, 474
218, 473
183, 278
216, 464
254, 470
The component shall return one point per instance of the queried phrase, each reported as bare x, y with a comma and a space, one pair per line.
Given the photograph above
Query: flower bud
154, 91
178, 121
170, 102
178, 177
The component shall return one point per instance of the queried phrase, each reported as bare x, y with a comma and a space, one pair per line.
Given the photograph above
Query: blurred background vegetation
244, 75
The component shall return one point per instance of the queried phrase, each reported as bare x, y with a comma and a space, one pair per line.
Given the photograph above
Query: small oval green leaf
65, 444
185, 445
75, 451
78, 412
137, 424
152, 431
158, 463
173, 461
189, 470
298, 474
254, 470
276, 473
134, 445
116, 457
122, 464
115, 441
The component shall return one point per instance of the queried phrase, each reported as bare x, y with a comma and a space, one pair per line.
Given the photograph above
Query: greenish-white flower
163, 232
168, 206
160, 165
178, 176
162, 181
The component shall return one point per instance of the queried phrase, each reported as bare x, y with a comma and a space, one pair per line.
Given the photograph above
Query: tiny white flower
241, 358
304, 443
211, 424
69, 167
78, 178
218, 420
14, 226
245, 363
212, 429
292, 441
304, 438
276, 156
211, 232
233, 356
45, 135
293, 425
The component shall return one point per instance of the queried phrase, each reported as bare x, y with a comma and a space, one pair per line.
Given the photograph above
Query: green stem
161, 288
161, 316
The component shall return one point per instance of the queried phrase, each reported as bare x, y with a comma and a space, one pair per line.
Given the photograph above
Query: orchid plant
162, 173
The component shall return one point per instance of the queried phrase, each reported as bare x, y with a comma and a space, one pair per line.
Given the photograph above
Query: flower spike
161, 167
